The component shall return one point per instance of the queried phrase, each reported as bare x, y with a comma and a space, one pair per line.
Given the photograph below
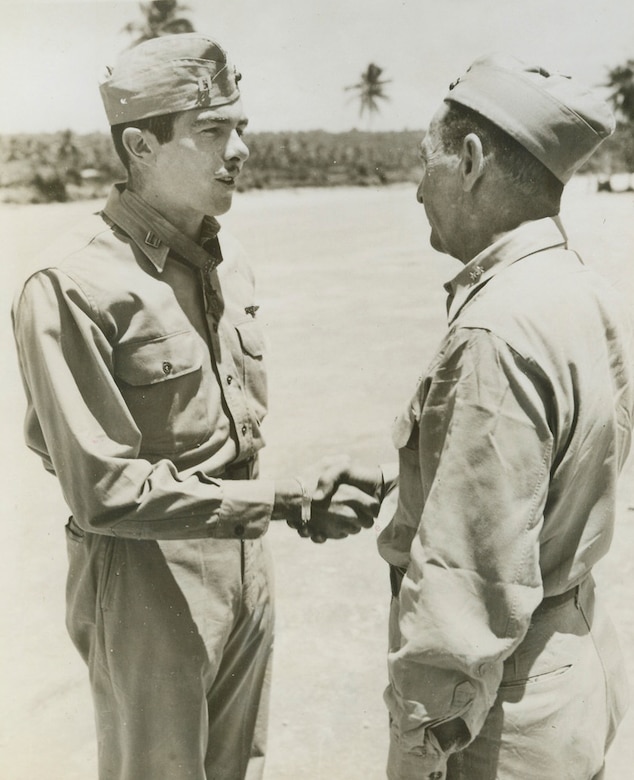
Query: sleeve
483, 458
77, 421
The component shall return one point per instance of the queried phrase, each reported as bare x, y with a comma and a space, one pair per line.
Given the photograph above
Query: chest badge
251, 310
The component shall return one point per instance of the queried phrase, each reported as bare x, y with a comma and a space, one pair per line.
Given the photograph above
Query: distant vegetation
65, 166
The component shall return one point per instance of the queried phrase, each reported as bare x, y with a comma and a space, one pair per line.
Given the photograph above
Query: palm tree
621, 81
370, 90
160, 17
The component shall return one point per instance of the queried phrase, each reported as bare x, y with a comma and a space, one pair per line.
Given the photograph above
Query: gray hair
526, 173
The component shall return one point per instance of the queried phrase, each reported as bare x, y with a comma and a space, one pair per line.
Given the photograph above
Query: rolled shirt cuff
246, 508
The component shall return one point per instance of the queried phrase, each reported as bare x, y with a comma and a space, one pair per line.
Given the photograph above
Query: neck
493, 217
483, 234
187, 221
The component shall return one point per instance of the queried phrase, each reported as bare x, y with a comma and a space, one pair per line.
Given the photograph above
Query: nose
236, 147
419, 192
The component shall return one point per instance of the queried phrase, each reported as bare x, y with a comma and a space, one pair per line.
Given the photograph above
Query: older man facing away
502, 661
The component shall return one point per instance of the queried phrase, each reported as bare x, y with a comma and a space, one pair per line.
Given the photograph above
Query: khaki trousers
178, 640
562, 696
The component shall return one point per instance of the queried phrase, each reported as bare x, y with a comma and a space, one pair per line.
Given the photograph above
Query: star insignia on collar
475, 274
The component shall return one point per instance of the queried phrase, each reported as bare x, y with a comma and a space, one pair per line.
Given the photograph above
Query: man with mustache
143, 363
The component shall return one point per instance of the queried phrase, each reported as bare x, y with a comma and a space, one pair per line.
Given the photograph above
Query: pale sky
296, 57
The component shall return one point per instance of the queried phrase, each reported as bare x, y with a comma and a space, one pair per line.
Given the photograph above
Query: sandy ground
353, 300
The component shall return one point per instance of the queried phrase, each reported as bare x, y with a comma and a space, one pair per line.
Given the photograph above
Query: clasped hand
345, 499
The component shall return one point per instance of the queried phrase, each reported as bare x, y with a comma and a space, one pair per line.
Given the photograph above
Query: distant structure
159, 17
621, 82
370, 90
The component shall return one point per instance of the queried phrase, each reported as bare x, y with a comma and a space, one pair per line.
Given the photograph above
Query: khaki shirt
509, 456
143, 365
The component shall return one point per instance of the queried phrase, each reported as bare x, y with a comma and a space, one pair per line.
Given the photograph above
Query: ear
137, 144
471, 161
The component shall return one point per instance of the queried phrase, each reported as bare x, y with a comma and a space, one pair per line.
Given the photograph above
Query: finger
347, 490
344, 525
334, 471
318, 538
337, 517
303, 532
360, 513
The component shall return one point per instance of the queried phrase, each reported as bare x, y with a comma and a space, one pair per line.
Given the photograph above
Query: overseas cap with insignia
168, 74
560, 122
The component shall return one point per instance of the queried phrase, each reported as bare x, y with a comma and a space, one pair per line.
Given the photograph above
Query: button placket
233, 392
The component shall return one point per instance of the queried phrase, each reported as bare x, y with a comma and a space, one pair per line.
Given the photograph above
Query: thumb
332, 475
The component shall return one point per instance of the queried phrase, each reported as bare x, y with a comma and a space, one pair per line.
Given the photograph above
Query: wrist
369, 479
292, 502
287, 503
305, 504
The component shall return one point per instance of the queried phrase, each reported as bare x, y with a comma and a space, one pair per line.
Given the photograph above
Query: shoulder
549, 296
71, 266
80, 253
68, 249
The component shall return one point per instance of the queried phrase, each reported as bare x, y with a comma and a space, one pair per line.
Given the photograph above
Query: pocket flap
149, 362
404, 425
251, 338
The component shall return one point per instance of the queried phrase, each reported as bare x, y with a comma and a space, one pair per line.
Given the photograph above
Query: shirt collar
156, 236
528, 238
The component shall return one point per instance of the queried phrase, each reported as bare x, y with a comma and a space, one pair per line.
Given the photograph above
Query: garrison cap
560, 122
168, 74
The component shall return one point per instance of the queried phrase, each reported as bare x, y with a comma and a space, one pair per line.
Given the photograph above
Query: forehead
432, 136
232, 113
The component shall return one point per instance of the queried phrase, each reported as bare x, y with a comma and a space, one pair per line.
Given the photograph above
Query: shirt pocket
161, 381
253, 347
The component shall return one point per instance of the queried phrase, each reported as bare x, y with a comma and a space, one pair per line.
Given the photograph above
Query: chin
221, 205
436, 243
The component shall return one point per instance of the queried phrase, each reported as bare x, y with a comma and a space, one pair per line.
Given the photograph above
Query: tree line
67, 166
64, 166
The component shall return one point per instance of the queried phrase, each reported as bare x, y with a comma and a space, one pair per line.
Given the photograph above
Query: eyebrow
213, 119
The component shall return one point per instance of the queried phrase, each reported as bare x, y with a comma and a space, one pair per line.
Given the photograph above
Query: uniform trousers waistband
242, 470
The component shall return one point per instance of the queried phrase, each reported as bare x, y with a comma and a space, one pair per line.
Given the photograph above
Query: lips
229, 179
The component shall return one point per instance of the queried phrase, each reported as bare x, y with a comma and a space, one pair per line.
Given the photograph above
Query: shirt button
215, 327
167, 368
244, 430
238, 530
435, 776
229, 380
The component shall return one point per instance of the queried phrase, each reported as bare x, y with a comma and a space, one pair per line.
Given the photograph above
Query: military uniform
143, 364
507, 489
502, 661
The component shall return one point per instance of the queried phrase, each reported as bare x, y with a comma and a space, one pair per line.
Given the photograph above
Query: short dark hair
161, 126
526, 172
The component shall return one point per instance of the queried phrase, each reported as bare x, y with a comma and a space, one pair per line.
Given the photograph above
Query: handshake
338, 499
